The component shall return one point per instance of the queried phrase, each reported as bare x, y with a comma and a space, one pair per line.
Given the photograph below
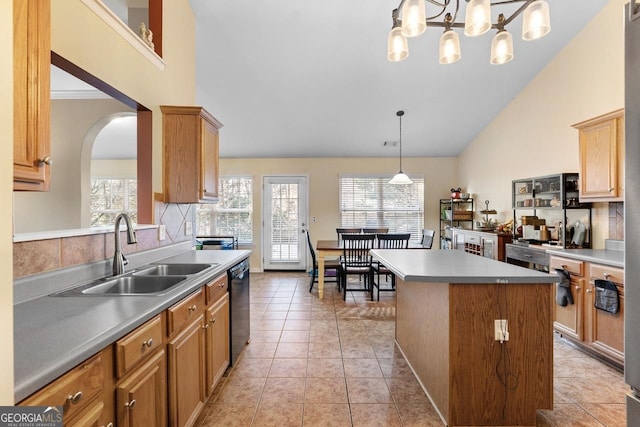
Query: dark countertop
452, 266
599, 256
52, 334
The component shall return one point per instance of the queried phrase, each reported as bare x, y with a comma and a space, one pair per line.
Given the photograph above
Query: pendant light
535, 21
400, 178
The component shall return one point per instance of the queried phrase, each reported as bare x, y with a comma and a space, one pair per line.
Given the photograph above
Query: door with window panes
285, 206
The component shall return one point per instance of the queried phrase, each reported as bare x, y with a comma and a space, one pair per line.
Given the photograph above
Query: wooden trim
145, 167
603, 117
155, 23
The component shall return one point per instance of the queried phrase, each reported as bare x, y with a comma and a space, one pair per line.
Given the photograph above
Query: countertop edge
597, 256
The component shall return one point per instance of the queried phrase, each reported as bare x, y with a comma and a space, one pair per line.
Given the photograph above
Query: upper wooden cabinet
190, 159
602, 157
31, 99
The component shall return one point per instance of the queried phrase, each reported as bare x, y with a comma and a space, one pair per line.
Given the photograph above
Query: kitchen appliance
632, 212
239, 311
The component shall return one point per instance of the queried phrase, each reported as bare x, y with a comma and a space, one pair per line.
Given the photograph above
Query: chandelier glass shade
414, 16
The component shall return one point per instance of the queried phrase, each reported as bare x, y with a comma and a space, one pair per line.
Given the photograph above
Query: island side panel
422, 332
478, 396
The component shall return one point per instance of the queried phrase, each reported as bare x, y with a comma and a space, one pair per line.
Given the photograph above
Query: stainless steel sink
134, 285
172, 269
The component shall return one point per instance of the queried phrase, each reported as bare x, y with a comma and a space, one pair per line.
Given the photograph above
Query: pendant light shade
477, 18
501, 48
397, 46
449, 47
536, 22
400, 177
414, 19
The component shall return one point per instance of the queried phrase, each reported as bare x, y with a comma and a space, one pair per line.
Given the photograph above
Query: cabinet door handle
131, 404
577, 288
221, 285
606, 276
110, 425
611, 189
45, 161
148, 343
589, 291
75, 398
193, 308
206, 326
213, 320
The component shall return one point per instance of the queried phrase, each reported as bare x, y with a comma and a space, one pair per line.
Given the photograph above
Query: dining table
333, 248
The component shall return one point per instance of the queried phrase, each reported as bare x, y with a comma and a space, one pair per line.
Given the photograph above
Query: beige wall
80, 36
71, 121
6, 191
120, 168
440, 175
533, 136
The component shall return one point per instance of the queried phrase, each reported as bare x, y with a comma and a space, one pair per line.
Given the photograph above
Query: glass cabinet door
547, 192
523, 193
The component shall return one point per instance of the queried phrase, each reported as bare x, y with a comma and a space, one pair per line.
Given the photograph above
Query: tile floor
333, 363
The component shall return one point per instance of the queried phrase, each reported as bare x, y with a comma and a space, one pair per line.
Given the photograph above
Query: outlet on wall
188, 228
162, 232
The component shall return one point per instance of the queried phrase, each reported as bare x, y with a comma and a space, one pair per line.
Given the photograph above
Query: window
370, 201
233, 214
110, 197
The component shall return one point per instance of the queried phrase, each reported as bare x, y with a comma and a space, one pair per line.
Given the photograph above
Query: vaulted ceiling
295, 78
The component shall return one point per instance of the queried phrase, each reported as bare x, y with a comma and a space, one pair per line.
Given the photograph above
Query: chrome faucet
119, 260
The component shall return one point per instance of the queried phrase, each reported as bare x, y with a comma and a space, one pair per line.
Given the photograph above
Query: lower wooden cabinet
593, 329
141, 397
217, 342
90, 417
186, 374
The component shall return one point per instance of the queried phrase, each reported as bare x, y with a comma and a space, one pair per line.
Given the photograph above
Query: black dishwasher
239, 311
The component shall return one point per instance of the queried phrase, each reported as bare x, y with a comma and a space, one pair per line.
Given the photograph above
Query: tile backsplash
616, 220
38, 256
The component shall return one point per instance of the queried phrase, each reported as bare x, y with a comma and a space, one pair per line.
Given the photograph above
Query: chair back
313, 252
380, 230
355, 249
427, 238
341, 231
393, 241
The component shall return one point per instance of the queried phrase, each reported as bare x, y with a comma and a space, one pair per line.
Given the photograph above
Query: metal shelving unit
454, 213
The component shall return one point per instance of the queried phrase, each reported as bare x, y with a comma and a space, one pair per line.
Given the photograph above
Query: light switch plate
162, 232
188, 228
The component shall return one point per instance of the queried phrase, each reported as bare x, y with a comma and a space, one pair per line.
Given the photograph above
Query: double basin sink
155, 279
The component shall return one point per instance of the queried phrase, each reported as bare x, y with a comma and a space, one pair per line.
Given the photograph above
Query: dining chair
427, 238
341, 231
380, 230
389, 241
356, 260
332, 268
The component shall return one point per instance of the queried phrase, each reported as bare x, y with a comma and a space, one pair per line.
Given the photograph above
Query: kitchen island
446, 307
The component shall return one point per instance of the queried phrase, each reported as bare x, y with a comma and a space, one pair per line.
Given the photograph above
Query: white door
284, 221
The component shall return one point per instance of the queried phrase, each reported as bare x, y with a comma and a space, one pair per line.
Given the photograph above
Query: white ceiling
295, 78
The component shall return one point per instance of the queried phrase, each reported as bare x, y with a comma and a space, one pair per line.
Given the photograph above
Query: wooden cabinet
606, 330
190, 160
602, 157
79, 392
568, 320
141, 390
595, 330
217, 335
141, 397
31, 98
186, 360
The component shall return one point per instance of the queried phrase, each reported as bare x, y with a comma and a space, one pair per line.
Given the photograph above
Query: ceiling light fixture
535, 25
400, 177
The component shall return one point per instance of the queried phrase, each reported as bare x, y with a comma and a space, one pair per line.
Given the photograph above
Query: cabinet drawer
604, 272
184, 311
74, 390
571, 265
473, 239
216, 289
527, 254
137, 345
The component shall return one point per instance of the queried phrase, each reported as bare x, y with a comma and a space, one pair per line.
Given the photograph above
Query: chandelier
410, 19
